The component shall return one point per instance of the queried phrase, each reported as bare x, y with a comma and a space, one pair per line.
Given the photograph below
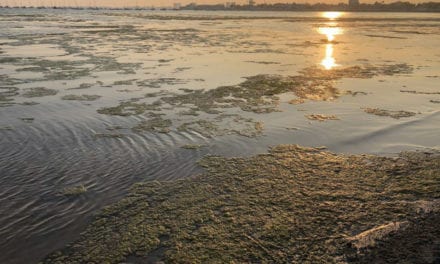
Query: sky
148, 3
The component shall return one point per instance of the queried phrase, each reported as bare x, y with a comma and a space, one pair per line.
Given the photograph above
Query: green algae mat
291, 205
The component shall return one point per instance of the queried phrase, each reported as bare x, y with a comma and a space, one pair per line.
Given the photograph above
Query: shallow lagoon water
49, 144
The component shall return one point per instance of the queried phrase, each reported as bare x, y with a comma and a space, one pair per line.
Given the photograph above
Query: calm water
48, 144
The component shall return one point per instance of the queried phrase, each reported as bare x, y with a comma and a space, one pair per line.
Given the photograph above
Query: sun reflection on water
332, 15
331, 30
328, 62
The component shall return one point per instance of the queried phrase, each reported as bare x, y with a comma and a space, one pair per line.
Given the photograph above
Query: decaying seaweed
389, 113
292, 205
319, 117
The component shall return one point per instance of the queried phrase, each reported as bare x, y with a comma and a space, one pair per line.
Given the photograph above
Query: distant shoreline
400, 7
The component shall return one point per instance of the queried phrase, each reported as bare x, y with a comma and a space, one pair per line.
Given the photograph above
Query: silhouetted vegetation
398, 6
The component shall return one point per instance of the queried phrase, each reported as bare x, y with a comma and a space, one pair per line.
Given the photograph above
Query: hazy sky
126, 3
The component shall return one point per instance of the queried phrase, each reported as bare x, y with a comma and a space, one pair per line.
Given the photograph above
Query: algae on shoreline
293, 204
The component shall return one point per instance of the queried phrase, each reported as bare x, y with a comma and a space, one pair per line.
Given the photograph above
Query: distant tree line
376, 7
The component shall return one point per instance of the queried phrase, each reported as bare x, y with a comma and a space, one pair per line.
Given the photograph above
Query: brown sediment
389, 113
291, 205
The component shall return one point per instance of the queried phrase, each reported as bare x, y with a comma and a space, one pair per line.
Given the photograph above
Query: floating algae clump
39, 92
389, 113
193, 146
321, 118
292, 205
7, 92
157, 124
6, 95
257, 94
130, 108
82, 97
74, 191
224, 125
105, 135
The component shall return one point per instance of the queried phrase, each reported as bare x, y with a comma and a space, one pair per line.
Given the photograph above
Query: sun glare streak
330, 32
332, 15
328, 62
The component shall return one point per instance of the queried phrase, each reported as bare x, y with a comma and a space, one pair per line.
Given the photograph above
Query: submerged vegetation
258, 94
75, 190
293, 204
39, 92
82, 97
